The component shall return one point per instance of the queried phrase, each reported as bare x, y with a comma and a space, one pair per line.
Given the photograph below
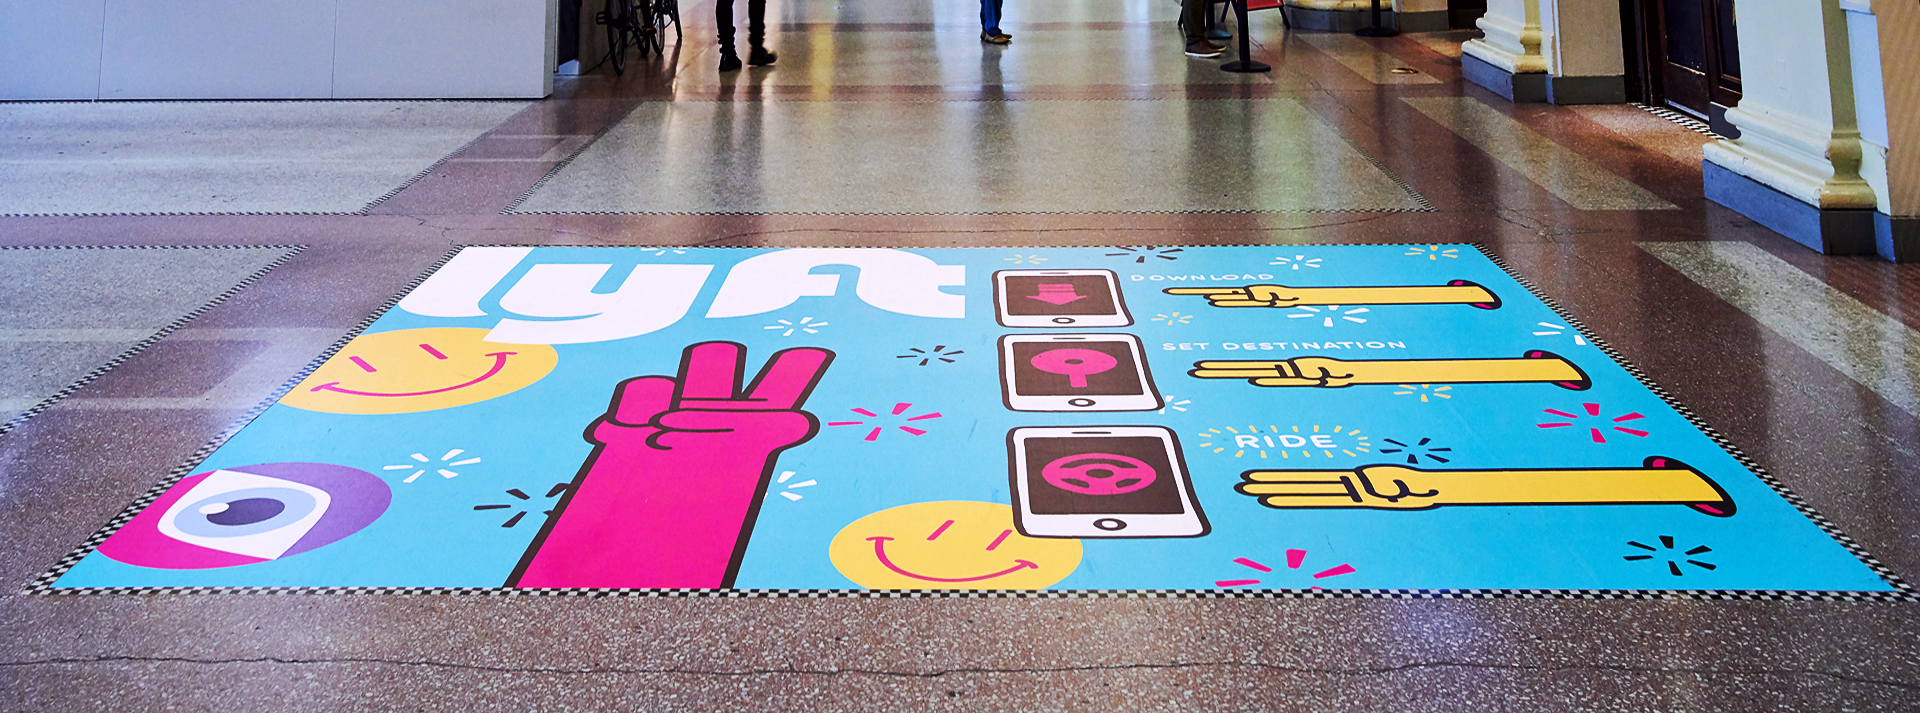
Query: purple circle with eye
229, 521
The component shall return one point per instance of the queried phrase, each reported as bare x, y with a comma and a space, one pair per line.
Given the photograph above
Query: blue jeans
990, 14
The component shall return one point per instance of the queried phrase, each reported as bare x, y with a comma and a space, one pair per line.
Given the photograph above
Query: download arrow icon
1057, 293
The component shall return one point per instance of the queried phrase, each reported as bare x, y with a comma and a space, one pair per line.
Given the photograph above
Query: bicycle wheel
667, 12
618, 17
648, 28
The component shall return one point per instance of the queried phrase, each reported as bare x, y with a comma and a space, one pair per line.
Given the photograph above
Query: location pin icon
1074, 363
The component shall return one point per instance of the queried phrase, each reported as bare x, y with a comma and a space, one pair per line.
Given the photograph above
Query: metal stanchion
1376, 30
1245, 63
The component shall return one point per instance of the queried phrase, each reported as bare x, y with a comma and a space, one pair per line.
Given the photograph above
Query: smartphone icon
1075, 372
1101, 481
1059, 298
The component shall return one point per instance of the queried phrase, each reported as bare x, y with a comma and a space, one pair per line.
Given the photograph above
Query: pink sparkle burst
1334, 572
899, 408
1295, 558
1250, 563
1595, 432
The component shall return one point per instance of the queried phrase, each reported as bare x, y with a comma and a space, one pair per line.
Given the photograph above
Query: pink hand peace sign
668, 498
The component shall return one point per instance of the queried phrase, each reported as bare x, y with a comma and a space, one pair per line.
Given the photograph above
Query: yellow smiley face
413, 370
949, 545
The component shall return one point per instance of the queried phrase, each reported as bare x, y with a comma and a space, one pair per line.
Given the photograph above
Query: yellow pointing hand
1658, 481
1327, 372
1280, 296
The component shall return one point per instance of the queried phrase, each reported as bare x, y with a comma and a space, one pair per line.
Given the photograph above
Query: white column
1560, 51
1882, 34
1514, 39
1798, 134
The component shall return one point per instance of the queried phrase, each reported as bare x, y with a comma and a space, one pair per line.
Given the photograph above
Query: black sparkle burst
553, 492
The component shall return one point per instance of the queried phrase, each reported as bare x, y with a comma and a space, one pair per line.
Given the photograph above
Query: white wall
50, 49
276, 49
217, 49
1897, 130
1586, 38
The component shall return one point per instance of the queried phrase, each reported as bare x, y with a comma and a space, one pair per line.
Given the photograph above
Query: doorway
1686, 54
1461, 14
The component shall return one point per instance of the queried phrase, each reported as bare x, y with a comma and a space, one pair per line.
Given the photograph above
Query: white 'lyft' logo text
654, 297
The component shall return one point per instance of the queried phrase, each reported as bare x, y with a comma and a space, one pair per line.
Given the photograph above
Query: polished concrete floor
893, 126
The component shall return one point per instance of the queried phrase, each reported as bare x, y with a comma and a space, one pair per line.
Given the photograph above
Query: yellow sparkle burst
1425, 391
1433, 252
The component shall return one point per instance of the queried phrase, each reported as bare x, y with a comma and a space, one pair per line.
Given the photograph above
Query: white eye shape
245, 514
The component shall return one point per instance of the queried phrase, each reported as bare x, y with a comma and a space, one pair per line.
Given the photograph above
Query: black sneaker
760, 57
729, 62
1204, 49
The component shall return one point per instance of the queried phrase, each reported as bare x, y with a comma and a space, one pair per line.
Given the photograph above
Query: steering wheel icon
1099, 474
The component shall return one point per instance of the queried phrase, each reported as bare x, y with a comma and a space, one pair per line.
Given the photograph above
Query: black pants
756, 23
1193, 14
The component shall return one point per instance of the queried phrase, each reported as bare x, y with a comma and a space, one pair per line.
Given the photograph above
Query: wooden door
1693, 54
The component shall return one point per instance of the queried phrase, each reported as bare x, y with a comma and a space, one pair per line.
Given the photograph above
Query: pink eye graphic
936, 533
997, 540
435, 352
362, 363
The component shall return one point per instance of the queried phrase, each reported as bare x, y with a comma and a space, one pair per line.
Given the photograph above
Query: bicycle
641, 23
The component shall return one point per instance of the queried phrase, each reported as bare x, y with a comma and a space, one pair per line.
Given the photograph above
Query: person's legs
990, 23
756, 22
1193, 21
1217, 21
758, 55
723, 18
1193, 18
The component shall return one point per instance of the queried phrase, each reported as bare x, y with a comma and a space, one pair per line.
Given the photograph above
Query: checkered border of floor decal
1254, 594
45, 581
1692, 124
142, 345
1905, 591
1425, 206
43, 584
